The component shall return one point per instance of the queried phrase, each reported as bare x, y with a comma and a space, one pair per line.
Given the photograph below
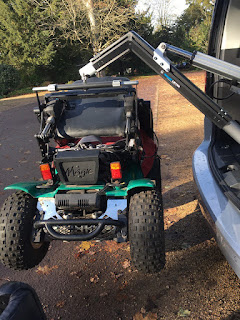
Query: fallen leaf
151, 316
165, 156
123, 285
143, 310
126, 264
103, 294
8, 169
5, 279
184, 312
94, 279
77, 274
85, 245
78, 255
60, 304
127, 248
138, 316
111, 246
82, 251
22, 161
116, 276
46, 270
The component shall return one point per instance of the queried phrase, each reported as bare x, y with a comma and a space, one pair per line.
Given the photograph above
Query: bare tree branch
93, 23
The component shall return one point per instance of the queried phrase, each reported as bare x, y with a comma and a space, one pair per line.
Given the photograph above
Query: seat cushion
100, 116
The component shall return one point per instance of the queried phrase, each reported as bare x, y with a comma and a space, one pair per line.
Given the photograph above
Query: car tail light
45, 171
116, 171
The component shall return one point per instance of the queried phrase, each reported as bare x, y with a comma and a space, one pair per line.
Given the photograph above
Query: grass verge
17, 92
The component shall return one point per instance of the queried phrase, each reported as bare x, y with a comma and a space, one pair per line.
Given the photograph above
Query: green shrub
9, 79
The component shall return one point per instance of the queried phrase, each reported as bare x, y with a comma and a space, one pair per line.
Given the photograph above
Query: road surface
95, 281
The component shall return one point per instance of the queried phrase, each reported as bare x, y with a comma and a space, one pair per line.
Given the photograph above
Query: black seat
97, 111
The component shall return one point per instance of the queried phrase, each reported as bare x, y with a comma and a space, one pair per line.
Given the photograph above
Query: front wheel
17, 250
146, 231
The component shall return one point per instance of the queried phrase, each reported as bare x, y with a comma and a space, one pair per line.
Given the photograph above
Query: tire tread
146, 231
16, 219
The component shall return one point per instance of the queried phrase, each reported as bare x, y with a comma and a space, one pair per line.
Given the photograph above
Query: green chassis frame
133, 179
118, 191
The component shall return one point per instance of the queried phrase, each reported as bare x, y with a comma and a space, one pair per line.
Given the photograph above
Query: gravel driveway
94, 280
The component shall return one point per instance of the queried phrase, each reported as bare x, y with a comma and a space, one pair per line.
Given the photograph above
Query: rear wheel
17, 249
146, 231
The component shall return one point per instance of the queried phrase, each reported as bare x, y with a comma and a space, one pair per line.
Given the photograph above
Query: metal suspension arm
208, 63
156, 59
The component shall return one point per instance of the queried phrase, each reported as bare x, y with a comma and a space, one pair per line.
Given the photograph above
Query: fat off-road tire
16, 223
146, 231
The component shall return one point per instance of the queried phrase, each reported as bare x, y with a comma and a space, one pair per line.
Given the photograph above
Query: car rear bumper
223, 215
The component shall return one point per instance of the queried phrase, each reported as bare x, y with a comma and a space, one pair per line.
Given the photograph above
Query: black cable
229, 82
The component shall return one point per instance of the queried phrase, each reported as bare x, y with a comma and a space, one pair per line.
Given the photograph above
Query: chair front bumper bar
100, 223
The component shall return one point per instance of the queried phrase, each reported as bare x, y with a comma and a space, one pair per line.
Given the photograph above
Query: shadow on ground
234, 316
180, 195
180, 234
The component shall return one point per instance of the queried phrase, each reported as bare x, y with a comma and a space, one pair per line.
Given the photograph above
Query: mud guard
31, 188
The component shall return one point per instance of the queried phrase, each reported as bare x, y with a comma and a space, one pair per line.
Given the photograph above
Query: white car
216, 163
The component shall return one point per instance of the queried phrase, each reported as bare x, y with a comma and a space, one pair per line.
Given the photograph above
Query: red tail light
45, 171
116, 171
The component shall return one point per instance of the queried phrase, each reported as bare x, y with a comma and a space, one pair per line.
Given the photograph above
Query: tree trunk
92, 21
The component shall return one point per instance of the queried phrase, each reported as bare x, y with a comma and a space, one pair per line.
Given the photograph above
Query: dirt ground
94, 280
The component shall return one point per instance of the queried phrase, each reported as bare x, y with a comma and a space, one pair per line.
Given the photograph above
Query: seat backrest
98, 111
100, 116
